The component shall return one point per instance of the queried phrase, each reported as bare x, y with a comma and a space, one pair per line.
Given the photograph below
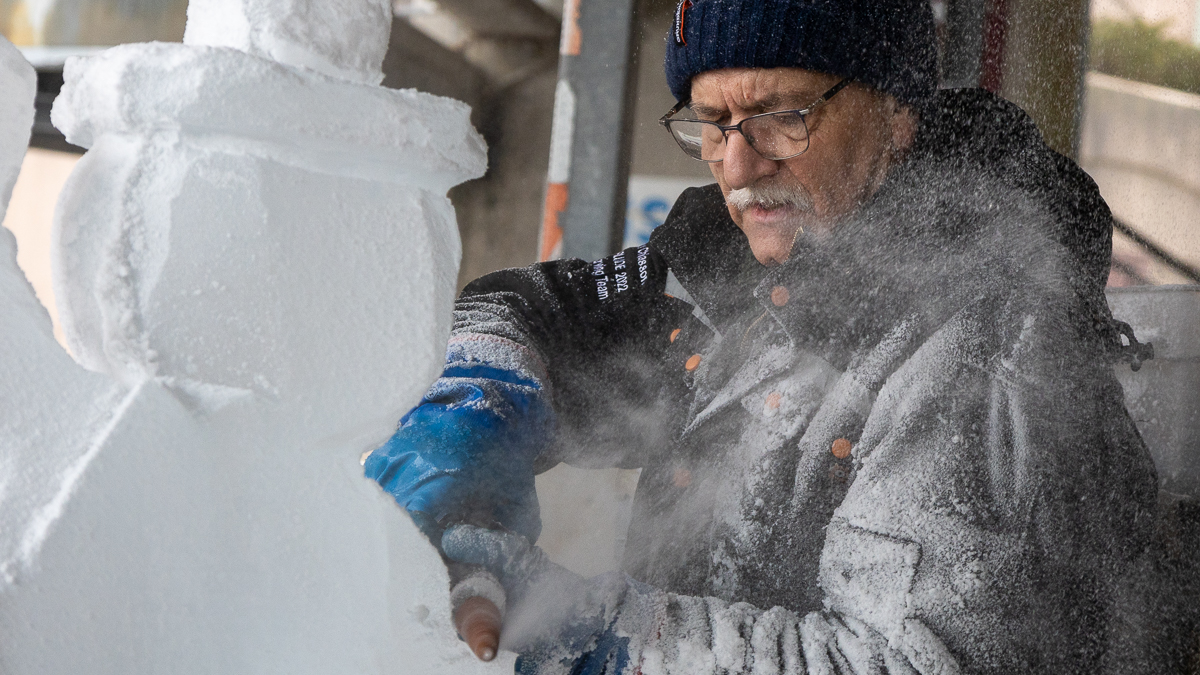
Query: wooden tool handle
479, 621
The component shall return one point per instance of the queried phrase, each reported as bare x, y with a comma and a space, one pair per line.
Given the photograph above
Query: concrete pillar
1044, 58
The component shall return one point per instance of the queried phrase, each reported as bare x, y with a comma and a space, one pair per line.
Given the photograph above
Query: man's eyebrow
705, 111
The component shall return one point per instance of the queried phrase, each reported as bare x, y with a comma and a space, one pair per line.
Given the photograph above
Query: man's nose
743, 166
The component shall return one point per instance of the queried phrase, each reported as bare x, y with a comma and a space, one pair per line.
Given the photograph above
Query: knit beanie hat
888, 44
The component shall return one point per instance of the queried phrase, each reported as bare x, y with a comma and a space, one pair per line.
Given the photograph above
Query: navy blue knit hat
888, 44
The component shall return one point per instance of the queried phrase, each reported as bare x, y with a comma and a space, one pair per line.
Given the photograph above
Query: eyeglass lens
774, 136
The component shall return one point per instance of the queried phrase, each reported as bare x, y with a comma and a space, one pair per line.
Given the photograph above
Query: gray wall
654, 152
1141, 144
500, 213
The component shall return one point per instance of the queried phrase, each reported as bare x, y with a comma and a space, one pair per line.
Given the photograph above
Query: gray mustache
770, 195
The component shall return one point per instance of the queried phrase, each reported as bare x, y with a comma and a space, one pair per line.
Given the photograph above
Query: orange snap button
682, 478
773, 400
780, 296
692, 363
675, 334
841, 448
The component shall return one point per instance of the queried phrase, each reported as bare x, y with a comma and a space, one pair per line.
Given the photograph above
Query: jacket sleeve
598, 337
562, 624
691, 635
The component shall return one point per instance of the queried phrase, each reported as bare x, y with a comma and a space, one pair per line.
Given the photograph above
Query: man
867, 377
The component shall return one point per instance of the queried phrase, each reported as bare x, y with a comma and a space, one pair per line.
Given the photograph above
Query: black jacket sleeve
601, 335
609, 339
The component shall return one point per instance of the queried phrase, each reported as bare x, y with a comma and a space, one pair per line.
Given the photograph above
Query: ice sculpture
339, 38
255, 267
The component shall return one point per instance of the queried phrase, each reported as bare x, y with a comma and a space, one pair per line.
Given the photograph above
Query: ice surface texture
268, 109
235, 215
255, 268
37, 449
346, 39
19, 84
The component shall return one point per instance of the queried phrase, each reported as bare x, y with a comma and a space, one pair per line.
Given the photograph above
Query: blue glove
558, 622
466, 452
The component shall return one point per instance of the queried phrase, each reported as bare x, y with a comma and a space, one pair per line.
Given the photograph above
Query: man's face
853, 140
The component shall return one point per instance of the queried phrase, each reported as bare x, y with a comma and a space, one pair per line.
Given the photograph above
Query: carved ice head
343, 38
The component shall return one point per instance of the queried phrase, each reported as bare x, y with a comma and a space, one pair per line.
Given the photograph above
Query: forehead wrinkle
758, 91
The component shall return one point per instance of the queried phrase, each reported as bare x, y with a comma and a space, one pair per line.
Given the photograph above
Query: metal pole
584, 213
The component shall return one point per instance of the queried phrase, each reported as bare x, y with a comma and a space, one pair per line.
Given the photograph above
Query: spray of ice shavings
950, 457
708, 514
548, 608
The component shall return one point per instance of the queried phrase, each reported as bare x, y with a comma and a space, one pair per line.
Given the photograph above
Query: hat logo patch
680, 9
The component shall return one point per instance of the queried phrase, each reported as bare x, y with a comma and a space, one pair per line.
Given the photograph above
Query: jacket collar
709, 254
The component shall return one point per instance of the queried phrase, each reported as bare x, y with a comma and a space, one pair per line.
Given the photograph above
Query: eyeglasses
774, 135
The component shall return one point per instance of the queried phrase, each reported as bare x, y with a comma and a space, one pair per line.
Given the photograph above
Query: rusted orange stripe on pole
572, 37
550, 246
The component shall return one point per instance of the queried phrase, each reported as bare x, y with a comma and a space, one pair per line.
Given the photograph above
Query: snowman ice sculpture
255, 267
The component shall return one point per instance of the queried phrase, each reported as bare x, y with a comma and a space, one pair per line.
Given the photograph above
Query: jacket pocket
868, 575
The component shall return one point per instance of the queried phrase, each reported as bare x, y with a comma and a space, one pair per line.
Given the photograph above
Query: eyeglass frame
666, 120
